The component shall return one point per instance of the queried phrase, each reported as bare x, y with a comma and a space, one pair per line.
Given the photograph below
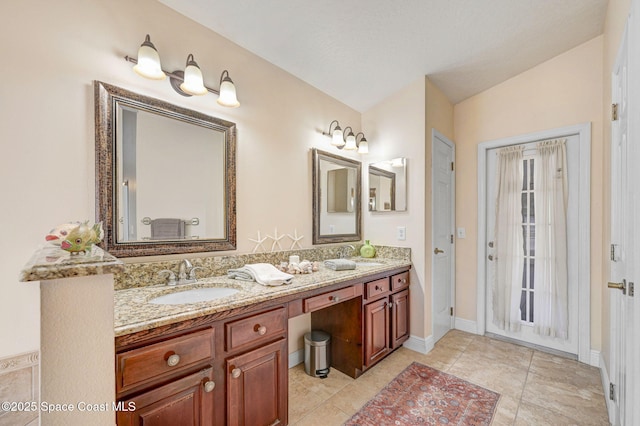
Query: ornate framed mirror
165, 176
336, 198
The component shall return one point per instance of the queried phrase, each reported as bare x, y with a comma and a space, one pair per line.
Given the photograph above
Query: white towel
262, 273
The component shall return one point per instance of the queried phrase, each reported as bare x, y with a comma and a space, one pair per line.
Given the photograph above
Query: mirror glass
166, 176
336, 198
388, 186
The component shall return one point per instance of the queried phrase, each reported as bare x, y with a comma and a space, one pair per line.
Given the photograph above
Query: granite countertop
133, 312
50, 262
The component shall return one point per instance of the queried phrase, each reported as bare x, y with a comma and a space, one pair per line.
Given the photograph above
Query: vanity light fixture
363, 145
187, 83
148, 64
336, 134
350, 140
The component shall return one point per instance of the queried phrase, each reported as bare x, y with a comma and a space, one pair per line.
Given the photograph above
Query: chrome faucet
343, 253
184, 269
185, 266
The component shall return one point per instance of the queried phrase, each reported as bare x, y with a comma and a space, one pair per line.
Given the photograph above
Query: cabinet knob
260, 329
403, 280
235, 373
209, 386
335, 298
173, 360
378, 288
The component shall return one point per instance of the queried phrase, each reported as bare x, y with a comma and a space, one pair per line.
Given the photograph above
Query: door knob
490, 257
620, 286
437, 250
491, 244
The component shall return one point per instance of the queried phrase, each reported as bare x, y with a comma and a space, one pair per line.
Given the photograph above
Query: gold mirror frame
106, 98
319, 238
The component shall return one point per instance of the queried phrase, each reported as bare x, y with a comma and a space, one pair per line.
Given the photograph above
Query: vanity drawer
144, 365
377, 288
256, 328
400, 281
331, 298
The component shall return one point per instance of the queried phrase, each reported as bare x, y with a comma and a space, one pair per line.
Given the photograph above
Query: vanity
226, 361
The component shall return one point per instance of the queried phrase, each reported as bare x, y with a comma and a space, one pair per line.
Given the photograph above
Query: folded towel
340, 264
262, 273
167, 229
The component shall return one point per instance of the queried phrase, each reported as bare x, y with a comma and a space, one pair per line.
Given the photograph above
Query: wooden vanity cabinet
257, 390
185, 401
386, 316
168, 382
256, 369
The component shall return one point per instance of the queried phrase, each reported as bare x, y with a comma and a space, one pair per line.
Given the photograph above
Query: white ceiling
361, 51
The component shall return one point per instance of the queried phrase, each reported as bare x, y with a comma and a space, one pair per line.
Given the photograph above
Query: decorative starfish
276, 240
258, 242
296, 239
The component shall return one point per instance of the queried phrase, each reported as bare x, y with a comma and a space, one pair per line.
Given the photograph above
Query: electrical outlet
462, 233
402, 233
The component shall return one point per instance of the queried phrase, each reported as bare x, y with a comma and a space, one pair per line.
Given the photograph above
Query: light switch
462, 233
402, 233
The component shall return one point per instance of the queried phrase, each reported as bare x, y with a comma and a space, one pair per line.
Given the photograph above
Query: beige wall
398, 126
54, 50
402, 126
563, 91
614, 25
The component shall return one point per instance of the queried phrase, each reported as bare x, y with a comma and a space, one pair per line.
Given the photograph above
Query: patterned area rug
422, 395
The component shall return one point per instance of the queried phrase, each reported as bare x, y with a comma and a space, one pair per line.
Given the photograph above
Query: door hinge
452, 168
451, 311
630, 290
614, 112
612, 391
451, 238
614, 257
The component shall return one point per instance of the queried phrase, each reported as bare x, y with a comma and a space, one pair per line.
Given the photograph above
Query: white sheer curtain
550, 270
509, 241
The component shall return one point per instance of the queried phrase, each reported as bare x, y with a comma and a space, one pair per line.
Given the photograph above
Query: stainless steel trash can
317, 353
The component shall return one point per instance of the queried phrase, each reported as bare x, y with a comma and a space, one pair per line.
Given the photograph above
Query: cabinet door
257, 390
186, 402
376, 331
399, 318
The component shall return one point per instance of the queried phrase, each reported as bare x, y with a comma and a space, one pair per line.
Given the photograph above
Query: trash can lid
317, 336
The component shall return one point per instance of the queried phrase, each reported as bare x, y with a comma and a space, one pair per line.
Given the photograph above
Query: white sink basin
194, 296
369, 263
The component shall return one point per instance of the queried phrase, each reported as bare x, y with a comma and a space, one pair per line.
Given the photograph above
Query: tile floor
536, 388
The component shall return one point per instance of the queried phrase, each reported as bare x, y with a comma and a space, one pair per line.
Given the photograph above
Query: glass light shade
193, 83
351, 143
336, 139
148, 65
363, 148
228, 96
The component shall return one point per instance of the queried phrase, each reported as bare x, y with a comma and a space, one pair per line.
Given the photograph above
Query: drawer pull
209, 386
260, 329
335, 299
378, 288
235, 373
403, 281
173, 360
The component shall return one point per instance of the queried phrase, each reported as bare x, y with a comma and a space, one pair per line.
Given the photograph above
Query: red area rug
423, 395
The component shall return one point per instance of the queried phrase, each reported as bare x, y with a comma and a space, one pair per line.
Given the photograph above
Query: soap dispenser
367, 250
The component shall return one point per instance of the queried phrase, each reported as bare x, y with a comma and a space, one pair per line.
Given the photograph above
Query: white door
526, 334
622, 337
442, 196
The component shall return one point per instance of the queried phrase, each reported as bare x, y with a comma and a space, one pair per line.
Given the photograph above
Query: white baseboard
604, 374
466, 325
419, 344
296, 358
594, 359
